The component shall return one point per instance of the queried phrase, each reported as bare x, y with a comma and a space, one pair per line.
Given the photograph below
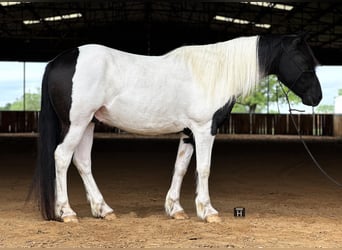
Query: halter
301, 70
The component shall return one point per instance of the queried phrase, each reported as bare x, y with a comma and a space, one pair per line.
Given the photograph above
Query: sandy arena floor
288, 202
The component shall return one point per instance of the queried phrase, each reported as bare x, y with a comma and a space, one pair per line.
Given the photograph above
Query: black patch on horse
95, 120
190, 138
60, 74
221, 115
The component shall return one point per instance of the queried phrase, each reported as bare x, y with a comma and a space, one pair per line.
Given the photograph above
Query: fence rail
268, 124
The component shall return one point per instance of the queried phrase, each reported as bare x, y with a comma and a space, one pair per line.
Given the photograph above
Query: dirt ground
288, 201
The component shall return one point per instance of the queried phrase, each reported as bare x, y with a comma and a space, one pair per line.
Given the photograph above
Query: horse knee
62, 159
203, 172
180, 170
83, 165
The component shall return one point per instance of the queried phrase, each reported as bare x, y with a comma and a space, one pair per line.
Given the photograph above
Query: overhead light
263, 25
9, 3
63, 17
53, 18
279, 6
231, 20
241, 21
27, 22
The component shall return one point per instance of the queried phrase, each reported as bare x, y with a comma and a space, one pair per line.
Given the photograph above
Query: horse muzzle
311, 100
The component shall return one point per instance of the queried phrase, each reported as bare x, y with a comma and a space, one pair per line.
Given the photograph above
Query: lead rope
304, 143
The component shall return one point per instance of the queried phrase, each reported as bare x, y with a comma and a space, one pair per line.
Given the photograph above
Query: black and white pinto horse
190, 90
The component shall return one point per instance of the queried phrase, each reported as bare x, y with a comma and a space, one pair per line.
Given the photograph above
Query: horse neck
269, 53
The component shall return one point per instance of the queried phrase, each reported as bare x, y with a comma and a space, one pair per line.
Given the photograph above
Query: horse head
297, 69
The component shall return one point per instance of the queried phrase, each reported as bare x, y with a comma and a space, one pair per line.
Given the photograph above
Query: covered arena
258, 161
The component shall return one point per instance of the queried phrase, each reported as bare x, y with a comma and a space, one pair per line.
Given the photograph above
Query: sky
330, 78
11, 82
331, 81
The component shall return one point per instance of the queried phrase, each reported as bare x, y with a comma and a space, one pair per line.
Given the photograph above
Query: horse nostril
311, 101
316, 101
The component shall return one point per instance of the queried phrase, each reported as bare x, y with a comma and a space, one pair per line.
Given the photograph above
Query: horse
190, 90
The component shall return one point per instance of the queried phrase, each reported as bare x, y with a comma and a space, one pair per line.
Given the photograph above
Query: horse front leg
173, 207
204, 142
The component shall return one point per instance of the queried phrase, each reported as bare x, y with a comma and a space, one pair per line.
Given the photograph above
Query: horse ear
304, 35
299, 39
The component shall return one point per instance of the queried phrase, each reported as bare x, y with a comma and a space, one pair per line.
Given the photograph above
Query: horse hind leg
82, 161
173, 207
63, 156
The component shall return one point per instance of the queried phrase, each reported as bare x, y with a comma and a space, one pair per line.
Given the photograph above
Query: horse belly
140, 119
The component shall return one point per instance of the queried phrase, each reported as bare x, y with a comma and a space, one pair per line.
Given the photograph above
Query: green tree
268, 91
32, 102
6, 107
18, 104
325, 109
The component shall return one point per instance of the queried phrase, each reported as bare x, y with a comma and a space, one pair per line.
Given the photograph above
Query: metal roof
38, 31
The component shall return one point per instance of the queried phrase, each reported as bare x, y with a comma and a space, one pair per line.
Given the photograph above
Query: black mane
269, 49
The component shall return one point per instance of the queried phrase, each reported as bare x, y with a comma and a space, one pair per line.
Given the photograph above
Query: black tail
49, 132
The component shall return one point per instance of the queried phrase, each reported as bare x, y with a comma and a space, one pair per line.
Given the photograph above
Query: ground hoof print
180, 216
110, 216
215, 218
70, 219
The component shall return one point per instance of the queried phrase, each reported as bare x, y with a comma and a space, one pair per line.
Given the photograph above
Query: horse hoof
180, 216
71, 218
110, 216
215, 218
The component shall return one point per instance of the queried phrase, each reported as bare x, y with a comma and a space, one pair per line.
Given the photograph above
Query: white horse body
189, 90
150, 94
